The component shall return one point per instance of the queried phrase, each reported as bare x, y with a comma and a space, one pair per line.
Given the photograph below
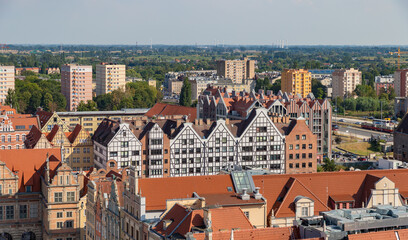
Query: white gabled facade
124, 148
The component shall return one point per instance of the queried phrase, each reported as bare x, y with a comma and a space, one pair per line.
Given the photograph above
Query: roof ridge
313, 194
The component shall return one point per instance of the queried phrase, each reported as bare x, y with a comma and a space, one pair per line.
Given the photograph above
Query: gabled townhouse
77, 145
104, 203
168, 148
219, 103
288, 197
48, 120
40, 196
115, 141
14, 127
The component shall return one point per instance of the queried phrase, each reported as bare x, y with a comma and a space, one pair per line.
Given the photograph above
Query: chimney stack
257, 194
245, 195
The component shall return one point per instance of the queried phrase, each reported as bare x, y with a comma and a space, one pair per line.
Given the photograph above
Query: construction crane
399, 55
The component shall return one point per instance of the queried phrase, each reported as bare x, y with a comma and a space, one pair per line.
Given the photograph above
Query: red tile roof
158, 190
183, 220
281, 233
163, 109
383, 235
26, 162
44, 117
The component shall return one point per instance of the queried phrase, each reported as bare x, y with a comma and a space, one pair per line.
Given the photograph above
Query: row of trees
34, 92
134, 95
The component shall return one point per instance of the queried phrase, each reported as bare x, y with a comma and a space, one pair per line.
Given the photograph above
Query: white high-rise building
6, 81
345, 81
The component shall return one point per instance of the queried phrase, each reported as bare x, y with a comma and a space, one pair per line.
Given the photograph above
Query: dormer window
28, 189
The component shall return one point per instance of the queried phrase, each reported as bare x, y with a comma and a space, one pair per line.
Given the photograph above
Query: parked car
341, 120
358, 123
371, 118
362, 159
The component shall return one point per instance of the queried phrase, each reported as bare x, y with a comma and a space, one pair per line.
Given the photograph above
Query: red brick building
301, 148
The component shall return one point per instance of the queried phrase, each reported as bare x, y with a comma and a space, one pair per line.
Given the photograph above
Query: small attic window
28, 189
124, 133
229, 189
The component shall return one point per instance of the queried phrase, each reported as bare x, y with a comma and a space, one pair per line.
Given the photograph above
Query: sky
204, 22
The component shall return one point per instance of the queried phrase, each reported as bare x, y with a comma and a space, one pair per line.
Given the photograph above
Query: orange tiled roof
26, 162
184, 219
158, 190
163, 109
281, 233
383, 235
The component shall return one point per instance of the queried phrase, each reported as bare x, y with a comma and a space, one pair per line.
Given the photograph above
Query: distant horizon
206, 45
212, 22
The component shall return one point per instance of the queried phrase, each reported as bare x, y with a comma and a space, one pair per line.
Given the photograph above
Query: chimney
196, 122
257, 194
245, 195
208, 121
227, 121
208, 224
201, 121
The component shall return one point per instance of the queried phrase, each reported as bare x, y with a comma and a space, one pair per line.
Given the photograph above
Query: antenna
151, 43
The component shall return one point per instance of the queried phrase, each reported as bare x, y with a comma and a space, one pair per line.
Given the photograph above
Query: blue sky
299, 22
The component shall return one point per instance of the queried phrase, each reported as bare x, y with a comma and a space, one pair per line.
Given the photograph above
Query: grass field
360, 148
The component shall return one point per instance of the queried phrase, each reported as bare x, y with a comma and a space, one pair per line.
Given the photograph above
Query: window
125, 144
310, 155
250, 139
125, 154
156, 152
217, 140
135, 153
310, 146
198, 150
9, 212
191, 141
305, 211
60, 224
290, 146
272, 138
310, 164
224, 140
28, 188
113, 154
297, 146
59, 214
297, 137
303, 146
261, 129
1, 212
155, 141
297, 155
303, 165
290, 165
70, 196
303, 137
290, 156
23, 211
33, 211
303, 155
246, 214
58, 197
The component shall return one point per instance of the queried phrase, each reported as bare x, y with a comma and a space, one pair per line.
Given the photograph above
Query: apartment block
109, 77
76, 84
14, 127
220, 103
236, 70
384, 83
296, 81
401, 82
6, 81
175, 86
170, 148
345, 81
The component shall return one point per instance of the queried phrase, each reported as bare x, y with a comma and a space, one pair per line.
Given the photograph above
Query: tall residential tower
109, 77
345, 81
296, 81
236, 70
76, 84
6, 81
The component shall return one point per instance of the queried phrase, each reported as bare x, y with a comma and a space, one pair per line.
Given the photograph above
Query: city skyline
263, 22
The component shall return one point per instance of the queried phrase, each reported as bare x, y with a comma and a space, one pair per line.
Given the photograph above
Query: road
360, 133
351, 120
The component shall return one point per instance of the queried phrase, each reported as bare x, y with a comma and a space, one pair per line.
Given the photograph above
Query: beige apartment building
109, 77
236, 70
175, 86
76, 84
345, 81
296, 81
6, 81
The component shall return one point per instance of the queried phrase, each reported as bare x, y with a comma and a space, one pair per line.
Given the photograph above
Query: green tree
11, 98
329, 165
185, 95
47, 101
88, 106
